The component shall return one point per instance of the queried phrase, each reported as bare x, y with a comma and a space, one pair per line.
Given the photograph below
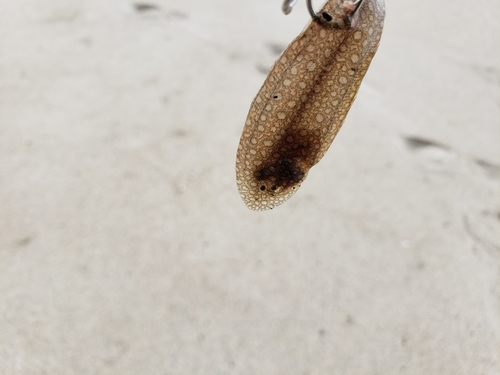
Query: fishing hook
288, 5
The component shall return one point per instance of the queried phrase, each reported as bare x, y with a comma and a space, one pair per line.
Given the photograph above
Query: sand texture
125, 248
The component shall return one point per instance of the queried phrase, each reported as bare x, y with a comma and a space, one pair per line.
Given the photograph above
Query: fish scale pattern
304, 101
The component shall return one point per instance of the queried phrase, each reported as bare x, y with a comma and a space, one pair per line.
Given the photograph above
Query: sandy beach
126, 249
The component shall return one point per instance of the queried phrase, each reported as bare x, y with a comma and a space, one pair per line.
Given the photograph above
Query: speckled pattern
304, 101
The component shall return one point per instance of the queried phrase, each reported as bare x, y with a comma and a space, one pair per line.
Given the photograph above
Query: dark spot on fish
289, 160
283, 173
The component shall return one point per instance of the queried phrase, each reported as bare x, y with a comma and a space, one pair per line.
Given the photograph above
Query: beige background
125, 248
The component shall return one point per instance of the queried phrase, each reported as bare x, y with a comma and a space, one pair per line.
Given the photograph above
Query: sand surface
126, 249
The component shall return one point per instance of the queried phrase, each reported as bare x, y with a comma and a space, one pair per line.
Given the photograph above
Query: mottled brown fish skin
304, 101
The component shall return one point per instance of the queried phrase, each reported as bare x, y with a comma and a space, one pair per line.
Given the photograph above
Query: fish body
305, 99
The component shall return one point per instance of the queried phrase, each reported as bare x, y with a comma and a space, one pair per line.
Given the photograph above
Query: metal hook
288, 5
352, 7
